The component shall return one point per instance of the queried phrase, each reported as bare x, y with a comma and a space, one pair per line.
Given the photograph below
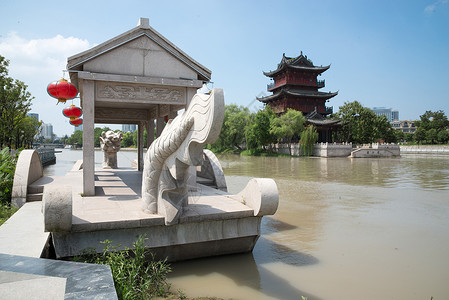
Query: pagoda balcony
329, 109
320, 83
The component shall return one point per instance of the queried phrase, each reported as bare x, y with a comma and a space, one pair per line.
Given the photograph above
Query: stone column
172, 114
88, 138
140, 127
150, 132
160, 124
190, 93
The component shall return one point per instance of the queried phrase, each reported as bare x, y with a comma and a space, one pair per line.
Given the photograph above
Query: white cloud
39, 55
429, 9
37, 62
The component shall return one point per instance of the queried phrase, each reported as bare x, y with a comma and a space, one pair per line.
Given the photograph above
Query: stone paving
24, 277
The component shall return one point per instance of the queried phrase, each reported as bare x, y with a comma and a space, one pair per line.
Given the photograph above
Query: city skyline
382, 54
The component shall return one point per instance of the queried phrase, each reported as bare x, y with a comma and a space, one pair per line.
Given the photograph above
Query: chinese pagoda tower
296, 86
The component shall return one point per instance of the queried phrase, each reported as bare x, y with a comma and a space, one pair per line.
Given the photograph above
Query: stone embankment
425, 149
342, 150
320, 149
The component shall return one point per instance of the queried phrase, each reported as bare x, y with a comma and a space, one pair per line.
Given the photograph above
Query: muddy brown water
345, 229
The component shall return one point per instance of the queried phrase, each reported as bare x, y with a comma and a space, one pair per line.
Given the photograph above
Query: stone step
35, 189
34, 197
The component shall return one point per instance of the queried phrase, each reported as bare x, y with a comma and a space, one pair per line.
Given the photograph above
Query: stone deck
117, 203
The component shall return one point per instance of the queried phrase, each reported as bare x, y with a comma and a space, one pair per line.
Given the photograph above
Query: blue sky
393, 54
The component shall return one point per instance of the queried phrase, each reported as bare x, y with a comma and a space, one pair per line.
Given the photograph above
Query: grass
6, 211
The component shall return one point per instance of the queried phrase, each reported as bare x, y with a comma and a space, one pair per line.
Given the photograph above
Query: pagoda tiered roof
300, 63
297, 93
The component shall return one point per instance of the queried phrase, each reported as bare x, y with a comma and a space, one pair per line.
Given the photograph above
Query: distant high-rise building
129, 127
47, 131
392, 115
34, 115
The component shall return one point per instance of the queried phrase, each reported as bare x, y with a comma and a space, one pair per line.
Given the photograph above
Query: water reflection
250, 278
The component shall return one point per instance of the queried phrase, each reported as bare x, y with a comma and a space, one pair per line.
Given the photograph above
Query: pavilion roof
300, 63
77, 61
317, 119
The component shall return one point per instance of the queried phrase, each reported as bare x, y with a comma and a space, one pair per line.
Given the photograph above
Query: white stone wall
425, 149
332, 149
320, 150
377, 150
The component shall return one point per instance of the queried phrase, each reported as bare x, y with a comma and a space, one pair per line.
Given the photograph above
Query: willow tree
308, 139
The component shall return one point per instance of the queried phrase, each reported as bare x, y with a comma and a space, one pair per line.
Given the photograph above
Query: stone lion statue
110, 144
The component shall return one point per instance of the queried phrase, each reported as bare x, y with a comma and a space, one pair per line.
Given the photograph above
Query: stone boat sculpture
185, 211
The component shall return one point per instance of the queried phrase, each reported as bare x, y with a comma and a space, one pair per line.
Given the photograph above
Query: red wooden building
296, 86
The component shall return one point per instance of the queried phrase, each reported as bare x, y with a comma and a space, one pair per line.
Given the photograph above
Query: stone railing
320, 149
332, 149
47, 156
425, 149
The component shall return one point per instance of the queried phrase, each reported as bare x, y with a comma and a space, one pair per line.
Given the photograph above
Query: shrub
6, 211
137, 275
7, 169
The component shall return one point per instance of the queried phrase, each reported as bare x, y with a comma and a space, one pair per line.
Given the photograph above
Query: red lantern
76, 122
72, 112
62, 90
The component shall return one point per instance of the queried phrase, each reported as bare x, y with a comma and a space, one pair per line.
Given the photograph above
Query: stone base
177, 242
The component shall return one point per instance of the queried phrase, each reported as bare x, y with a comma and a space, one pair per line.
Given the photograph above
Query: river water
345, 229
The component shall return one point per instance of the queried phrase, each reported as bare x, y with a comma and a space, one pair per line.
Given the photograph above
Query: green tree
258, 129
431, 135
308, 139
144, 137
420, 135
288, 125
15, 103
362, 126
234, 129
443, 137
430, 126
436, 120
409, 137
400, 135
384, 130
64, 139
359, 123
76, 138
127, 140
29, 128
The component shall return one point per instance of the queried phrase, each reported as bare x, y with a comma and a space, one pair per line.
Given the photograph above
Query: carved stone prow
180, 145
